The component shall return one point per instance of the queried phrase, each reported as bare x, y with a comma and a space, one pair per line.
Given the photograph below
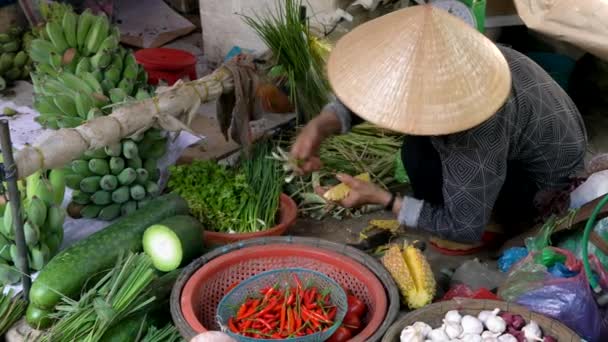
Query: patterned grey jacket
539, 126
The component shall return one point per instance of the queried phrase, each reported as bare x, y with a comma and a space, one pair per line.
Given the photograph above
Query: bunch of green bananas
80, 69
117, 179
43, 218
15, 63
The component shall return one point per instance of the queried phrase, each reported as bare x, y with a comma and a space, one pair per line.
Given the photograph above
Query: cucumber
99, 167
127, 176
173, 242
121, 195
90, 211
117, 164
108, 182
110, 212
38, 318
90, 184
67, 272
101, 197
134, 163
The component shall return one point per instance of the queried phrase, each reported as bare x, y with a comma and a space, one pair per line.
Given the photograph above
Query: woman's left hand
361, 193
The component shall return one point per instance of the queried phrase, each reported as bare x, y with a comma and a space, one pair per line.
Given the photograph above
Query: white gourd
471, 325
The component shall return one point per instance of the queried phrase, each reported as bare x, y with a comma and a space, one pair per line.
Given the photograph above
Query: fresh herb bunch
266, 181
215, 194
300, 56
11, 309
167, 334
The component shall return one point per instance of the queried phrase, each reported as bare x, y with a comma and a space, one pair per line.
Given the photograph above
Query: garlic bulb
489, 334
438, 335
532, 332
483, 315
423, 328
495, 323
471, 325
211, 336
453, 316
409, 334
490, 339
507, 338
471, 338
453, 330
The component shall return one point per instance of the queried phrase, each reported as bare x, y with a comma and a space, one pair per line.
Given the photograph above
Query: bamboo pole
172, 109
10, 176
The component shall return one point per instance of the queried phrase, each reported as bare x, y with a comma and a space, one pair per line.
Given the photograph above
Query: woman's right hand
305, 150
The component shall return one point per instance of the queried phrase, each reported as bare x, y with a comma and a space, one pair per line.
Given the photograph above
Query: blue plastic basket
283, 278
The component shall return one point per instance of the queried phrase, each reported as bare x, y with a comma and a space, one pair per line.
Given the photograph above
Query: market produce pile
367, 149
43, 217
488, 326
103, 288
81, 72
232, 200
15, 64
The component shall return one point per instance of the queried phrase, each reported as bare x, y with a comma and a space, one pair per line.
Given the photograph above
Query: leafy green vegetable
215, 193
11, 310
167, 334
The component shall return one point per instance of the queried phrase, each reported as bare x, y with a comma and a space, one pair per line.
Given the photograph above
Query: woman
486, 128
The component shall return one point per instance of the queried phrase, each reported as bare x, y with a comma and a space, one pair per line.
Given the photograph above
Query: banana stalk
172, 108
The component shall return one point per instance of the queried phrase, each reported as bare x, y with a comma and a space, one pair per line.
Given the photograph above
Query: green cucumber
173, 242
67, 272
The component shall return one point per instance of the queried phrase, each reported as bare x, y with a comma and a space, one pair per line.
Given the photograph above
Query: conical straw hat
419, 71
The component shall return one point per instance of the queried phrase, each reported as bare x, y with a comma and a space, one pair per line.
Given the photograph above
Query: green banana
6, 61
56, 35
5, 38
117, 95
11, 47
75, 84
142, 94
126, 85
117, 61
52, 87
36, 211
41, 50
13, 74
113, 75
56, 217
101, 60
57, 181
56, 61
32, 233
92, 82
84, 103
37, 259
38, 186
98, 32
66, 104
85, 21
113, 150
70, 56
84, 65
20, 59
46, 69
45, 106
8, 231
69, 23
2, 83
98, 75
109, 44
107, 84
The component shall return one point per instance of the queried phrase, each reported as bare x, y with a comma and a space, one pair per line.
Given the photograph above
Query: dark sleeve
474, 165
348, 119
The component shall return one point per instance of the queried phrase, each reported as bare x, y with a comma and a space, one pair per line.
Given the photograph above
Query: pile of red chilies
284, 313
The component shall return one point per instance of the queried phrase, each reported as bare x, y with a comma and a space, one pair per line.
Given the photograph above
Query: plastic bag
400, 172
572, 242
511, 257
568, 300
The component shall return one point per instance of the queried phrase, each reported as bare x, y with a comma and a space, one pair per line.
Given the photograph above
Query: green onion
297, 52
11, 310
167, 334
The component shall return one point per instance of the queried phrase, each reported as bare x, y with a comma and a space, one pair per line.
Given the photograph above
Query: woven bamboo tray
434, 313
372, 264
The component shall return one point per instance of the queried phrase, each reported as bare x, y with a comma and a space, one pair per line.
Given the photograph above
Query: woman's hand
362, 193
305, 150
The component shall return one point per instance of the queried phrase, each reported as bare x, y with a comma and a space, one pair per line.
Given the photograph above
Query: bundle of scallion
12, 309
300, 56
366, 149
121, 292
167, 334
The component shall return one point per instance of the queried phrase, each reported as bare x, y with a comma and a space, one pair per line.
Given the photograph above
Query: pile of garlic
488, 326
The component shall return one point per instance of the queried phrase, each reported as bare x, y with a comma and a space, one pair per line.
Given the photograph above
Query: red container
203, 291
169, 65
288, 212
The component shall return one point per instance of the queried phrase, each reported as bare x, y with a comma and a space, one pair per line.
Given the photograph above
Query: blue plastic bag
568, 300
511, 257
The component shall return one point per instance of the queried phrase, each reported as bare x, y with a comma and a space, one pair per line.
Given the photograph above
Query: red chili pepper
313, 294
269, 307
298, 319
298, 283
231, 325
290, 321
252, 309
315, 315
309, 331
264, 323
269, 316
246, 325
332, 314
291, 299
276, 336
283, 317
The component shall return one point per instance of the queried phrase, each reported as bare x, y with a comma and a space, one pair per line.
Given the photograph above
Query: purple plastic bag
568, 300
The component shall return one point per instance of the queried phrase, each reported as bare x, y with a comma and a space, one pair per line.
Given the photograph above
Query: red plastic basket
207, 286
166, 64
288, 213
